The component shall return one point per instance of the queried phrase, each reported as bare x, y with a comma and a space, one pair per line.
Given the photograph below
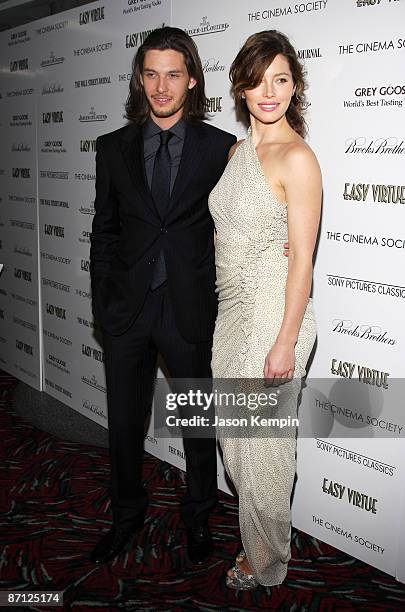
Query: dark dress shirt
151, 143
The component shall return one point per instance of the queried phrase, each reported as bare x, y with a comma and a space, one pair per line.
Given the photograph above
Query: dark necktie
160, 186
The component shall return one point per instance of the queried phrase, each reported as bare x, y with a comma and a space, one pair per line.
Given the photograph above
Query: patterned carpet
54, 506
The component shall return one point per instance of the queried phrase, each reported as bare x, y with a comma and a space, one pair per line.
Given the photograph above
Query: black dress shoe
199, 544
113, 542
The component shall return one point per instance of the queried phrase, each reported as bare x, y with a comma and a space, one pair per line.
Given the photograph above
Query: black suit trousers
130, 361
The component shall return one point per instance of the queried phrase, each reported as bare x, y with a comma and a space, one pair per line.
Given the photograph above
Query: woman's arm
303, 188
233, 148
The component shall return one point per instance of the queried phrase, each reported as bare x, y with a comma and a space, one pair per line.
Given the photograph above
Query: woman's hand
279, 364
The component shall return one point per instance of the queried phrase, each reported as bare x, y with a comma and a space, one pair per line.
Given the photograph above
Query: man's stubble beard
163, 113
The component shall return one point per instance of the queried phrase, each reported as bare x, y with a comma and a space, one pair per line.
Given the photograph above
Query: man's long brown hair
137, 107
252, 61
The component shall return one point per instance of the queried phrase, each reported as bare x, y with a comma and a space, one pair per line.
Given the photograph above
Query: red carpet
54, 505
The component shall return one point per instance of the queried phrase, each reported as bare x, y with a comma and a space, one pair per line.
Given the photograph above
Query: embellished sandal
240, 581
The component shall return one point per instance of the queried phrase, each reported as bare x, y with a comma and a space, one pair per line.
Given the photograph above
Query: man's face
166, 83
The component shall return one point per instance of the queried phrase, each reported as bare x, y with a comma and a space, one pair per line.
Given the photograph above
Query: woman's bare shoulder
300, 152
300, 167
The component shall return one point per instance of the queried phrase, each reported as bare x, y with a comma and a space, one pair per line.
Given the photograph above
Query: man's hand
286, 249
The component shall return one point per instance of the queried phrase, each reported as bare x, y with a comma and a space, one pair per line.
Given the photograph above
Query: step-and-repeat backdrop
20, 315
65, 81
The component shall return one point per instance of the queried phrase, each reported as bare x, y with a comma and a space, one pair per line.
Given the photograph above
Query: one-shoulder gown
251, 226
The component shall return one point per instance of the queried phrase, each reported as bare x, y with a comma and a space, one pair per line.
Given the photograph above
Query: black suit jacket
128, 234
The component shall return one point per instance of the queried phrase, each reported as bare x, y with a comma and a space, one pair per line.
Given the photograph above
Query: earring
243, 96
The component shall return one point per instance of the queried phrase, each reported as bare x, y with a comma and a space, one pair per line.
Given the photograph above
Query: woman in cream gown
265, 329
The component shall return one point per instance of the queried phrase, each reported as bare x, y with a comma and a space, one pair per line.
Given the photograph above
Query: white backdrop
78, 65
20, 333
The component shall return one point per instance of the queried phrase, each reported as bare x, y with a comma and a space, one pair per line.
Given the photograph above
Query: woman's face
269, 101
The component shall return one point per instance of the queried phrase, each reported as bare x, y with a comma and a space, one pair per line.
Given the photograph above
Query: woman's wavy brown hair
136, 107
250, 64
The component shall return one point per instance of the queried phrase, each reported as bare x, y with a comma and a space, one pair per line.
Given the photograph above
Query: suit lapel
195, 144
132, 152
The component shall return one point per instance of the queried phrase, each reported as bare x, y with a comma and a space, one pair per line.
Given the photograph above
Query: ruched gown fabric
251, 226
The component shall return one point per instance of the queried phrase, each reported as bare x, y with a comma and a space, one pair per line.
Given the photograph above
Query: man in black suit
153, 272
